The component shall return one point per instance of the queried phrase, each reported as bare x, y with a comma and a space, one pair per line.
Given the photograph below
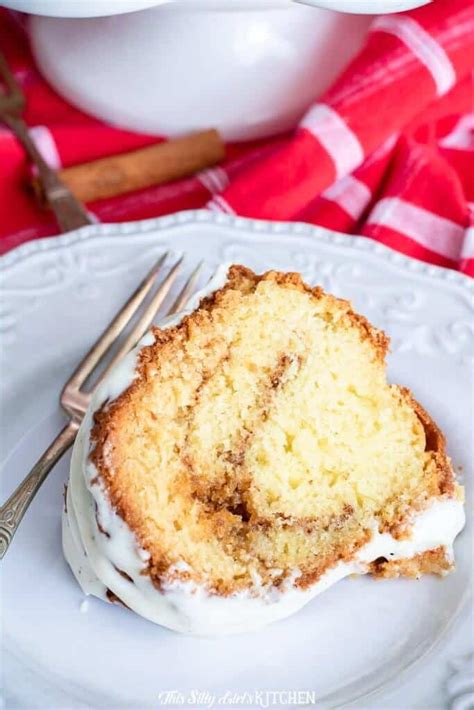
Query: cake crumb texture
261, 437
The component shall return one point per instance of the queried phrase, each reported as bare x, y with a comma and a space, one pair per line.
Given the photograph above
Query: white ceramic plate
99, 8
360, 638
79, 8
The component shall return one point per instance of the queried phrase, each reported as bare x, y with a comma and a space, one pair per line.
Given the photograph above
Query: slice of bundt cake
257, 455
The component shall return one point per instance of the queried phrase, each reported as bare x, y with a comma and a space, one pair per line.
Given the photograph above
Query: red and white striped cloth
386, 152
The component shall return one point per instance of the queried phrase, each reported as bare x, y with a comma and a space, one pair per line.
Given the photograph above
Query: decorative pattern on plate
460, 685
413, 320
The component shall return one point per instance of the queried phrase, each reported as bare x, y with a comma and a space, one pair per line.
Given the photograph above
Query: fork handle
69, 212
12, 512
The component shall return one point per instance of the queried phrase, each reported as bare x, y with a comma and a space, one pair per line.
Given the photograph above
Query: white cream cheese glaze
109, 559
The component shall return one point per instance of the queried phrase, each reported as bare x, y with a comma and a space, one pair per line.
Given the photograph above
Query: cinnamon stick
154, 165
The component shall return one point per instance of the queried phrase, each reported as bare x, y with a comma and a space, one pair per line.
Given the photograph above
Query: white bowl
248, 68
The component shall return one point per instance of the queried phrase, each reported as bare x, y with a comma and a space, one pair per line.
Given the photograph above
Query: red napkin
386, 152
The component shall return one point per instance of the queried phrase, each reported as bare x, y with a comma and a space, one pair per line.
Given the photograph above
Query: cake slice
256, 455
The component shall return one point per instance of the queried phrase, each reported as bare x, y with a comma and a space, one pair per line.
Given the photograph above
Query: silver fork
69, 212
75, 398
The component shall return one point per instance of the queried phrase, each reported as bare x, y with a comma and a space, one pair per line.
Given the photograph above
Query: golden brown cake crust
435, 561
111, 419
436, 442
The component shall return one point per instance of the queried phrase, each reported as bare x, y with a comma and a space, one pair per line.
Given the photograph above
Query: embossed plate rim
179, 219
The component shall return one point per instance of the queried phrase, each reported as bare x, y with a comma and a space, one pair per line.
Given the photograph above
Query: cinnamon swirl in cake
250, 453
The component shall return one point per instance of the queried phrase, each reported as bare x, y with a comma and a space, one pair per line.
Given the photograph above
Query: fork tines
12, 99
123, 318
